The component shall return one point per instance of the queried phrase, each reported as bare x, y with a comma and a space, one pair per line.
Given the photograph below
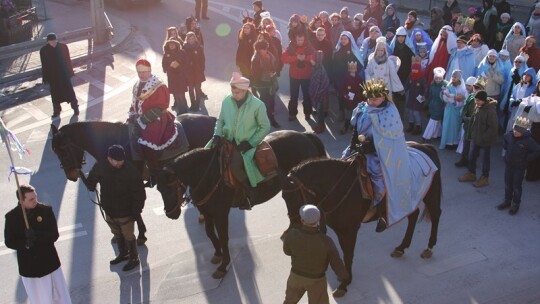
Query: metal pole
98, 20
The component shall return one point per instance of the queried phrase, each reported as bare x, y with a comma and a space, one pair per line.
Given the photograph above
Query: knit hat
344, 10
375, 29
438, 72
239, 82
51, 36
401, 31
505, 15
482, 95
143, 65
522, 124
117, 152
381, 44
359, 17
470, 81
463, 39
413, 13
310, 214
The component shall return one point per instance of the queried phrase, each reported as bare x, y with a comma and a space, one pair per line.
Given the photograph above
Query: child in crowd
416, 96
472, 85
352, 93
423, 54
484, 132
520, 149
318, 90
435, 105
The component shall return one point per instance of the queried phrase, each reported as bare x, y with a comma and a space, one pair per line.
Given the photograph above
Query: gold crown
375, 88
481, 81
352, 65
522, 122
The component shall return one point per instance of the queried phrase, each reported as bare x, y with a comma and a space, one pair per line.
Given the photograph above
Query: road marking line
70, 227
95, 82
35, 112
72, 235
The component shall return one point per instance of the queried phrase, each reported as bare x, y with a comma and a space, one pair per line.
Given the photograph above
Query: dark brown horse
333, 186
71, 141
199, 171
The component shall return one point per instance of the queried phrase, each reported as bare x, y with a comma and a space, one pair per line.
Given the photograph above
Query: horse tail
321, 150
436, 184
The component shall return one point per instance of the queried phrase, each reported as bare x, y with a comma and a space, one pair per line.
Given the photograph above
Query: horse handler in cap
311, 251
122, 199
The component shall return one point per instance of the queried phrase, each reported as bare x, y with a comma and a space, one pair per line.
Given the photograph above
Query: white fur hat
401, 31
439, 72
470, 81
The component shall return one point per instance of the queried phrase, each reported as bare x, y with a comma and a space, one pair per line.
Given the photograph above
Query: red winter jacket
297, 69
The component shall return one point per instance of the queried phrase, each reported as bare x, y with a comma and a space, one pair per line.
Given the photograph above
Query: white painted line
70, 227
95, 82
20, 118
452, 263
35, 112
72, 235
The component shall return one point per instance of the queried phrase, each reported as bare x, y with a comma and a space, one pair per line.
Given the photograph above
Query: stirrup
381, 225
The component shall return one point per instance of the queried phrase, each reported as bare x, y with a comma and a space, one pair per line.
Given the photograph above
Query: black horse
333, 186
71, 141
200, 171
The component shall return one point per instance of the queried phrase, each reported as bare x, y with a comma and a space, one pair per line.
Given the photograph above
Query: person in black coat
195, 70
122, 199
520, 149
174, 64
57, 70
39, 264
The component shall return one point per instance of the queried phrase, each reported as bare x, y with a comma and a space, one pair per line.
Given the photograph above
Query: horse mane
193, 157
307, 163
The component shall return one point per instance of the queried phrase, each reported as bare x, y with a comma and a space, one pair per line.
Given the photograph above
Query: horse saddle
265, 158
363, 178
178, 146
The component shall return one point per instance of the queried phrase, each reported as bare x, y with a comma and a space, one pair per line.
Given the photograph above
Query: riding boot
410, 127
123, 253
133, 256
381, 223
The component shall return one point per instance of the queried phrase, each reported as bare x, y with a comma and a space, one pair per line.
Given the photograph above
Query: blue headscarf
425, 38
354, 48
408, 42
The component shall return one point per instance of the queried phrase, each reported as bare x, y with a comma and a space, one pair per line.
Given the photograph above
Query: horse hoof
216, 259
338, 293
201, 218
426, 254
397, 253
218, 274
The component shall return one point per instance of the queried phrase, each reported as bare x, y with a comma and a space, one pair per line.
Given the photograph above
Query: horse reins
303, 188
70, 159
207, 197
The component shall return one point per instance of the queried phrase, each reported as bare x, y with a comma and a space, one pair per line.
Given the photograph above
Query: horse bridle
182, 188
68, 160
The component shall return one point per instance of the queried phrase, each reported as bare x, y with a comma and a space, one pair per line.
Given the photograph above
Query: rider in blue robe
378, 120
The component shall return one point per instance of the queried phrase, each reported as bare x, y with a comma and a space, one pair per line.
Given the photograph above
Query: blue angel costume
403, 174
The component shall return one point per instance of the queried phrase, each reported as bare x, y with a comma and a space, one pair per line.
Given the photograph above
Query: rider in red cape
154, 124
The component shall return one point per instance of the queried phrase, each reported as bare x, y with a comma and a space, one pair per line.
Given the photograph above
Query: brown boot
481, 182
467, 177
